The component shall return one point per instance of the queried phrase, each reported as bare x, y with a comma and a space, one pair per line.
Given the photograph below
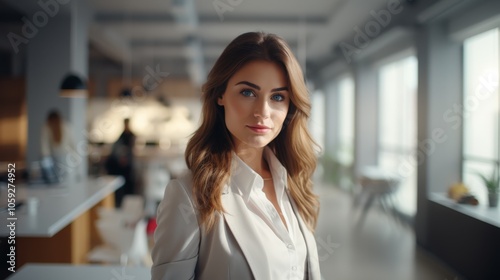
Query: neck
254, 158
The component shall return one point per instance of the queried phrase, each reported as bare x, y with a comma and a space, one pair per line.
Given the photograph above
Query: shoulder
179, 191
184, 182
177, 199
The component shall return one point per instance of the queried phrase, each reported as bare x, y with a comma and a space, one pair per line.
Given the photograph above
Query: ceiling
185, 37
193, 33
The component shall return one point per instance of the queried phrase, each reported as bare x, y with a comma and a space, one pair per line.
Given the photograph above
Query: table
62, 230
79, 272
377, 184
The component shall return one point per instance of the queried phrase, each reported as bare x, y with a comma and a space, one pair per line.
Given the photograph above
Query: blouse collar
243, 178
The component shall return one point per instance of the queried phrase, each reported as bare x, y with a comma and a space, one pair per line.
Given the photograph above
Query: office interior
405, 108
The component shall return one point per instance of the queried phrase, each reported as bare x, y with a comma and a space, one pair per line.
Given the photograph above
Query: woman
57, 143
246, 209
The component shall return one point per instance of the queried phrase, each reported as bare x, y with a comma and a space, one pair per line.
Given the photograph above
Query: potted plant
493, 185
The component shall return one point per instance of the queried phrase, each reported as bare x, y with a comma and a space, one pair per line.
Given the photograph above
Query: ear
220, 101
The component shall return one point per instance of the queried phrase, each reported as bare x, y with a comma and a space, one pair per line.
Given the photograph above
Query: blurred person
57, 143
245, 209
121, 161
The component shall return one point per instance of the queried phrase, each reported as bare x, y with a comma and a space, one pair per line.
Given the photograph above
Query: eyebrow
258, 88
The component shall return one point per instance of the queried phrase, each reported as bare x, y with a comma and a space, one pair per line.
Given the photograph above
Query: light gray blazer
232, 250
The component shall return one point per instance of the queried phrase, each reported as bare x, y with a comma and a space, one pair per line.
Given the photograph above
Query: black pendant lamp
73, 86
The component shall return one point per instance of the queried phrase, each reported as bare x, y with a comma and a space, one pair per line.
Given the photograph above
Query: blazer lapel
246, 236
312, 250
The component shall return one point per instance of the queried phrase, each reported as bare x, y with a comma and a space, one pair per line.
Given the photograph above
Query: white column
56, 48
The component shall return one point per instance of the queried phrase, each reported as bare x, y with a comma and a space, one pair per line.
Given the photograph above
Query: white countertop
59, 205
79, 272
481, 212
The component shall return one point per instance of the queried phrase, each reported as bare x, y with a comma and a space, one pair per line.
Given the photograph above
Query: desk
79, 272
62, 230
377, 184
480, 212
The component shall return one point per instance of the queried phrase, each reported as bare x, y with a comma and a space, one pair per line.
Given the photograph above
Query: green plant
492, 183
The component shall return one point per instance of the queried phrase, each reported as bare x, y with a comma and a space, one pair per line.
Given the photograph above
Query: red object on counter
150, 229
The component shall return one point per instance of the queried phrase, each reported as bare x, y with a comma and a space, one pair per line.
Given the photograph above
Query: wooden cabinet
13, 119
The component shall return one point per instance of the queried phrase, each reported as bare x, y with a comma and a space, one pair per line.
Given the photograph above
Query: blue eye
278, 97
247, 92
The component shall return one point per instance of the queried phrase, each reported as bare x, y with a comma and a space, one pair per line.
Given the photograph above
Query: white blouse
287, 249
59, 151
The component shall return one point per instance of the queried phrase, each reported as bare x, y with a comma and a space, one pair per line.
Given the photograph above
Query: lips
259, 128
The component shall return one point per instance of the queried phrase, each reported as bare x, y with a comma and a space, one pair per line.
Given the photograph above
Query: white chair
106, 213
131, 211
138, 252
123, 232
157, 180
132, 208
124, 244
376, 184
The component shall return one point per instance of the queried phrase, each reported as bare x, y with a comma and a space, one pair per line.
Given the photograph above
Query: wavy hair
209, 151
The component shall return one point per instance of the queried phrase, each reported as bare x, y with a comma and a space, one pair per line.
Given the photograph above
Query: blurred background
405, 107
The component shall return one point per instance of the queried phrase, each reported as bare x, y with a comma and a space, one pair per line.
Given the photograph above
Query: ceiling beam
166, 18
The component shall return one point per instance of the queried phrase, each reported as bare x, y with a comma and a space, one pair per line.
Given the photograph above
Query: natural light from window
398, 126
481, 110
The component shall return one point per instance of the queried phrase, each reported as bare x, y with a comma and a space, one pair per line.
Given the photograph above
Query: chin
257, 143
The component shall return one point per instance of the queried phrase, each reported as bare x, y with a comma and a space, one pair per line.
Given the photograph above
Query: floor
378, 249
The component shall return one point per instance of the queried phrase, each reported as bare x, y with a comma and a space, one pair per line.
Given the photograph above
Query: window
344, 150
397, 129
317, 121
481, 110
345, 140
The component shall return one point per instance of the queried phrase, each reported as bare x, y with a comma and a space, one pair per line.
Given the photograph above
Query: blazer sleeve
177, 235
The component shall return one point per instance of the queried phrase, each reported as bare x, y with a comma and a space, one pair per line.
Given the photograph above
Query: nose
262, 109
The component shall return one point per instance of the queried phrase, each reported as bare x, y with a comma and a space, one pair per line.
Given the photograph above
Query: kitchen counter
61, 229
59, 205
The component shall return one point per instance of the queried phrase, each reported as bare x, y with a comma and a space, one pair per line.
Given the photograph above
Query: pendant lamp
73, 86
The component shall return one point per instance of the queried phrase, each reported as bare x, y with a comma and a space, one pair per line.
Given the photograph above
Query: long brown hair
54, 122
209, 151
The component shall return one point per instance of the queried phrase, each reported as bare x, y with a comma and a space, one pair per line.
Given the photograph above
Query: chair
123, 232
132, 208
157, 180
123, 244
376, 184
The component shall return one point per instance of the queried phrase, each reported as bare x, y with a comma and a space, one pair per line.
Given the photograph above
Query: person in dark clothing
121, 162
